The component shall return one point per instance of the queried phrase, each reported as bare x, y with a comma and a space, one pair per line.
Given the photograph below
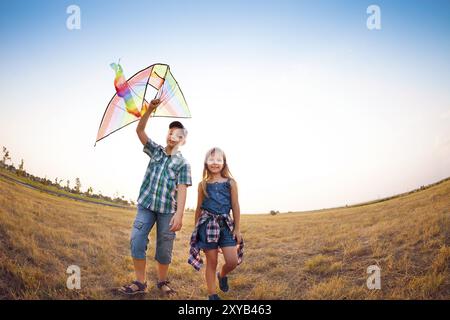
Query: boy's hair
178, 125
225, 173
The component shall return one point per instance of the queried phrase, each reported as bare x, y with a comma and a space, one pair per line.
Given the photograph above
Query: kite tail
144, 107
131, 106
123, 91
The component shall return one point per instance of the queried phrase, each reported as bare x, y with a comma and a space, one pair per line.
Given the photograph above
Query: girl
214, 228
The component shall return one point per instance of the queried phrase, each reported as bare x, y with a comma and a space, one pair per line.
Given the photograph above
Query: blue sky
300, 94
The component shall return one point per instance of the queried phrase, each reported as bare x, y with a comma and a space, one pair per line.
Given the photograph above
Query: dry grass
311, 255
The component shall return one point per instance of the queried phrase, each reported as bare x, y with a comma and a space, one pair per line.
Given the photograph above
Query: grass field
310, 255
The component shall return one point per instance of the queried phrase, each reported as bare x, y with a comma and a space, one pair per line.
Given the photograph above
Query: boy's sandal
135, 287
163, 286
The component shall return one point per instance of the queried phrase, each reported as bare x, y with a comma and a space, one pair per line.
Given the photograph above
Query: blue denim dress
217, 202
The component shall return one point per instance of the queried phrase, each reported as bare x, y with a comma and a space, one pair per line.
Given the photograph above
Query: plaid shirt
164, 172
212, 235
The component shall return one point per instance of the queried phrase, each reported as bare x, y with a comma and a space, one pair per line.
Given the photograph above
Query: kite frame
145, 91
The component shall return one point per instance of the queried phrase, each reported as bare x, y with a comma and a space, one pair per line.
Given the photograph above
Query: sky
312, 108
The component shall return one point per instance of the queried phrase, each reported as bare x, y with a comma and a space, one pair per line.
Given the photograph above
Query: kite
131, 99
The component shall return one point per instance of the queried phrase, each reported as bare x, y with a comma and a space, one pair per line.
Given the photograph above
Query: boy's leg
210, 270
161, 271
139, 269
143, 223
164, 244
231, 260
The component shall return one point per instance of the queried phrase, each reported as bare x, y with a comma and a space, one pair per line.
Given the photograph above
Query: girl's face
215, 162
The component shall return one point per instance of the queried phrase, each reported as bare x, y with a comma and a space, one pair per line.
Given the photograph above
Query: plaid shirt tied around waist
212, 235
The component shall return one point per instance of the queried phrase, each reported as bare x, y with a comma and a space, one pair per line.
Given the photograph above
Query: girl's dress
215, 226
218, 205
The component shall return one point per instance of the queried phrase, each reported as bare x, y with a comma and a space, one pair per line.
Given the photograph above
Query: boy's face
215, 162
175, 137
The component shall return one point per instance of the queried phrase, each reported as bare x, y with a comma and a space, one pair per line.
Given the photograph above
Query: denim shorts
226, 238
143, 224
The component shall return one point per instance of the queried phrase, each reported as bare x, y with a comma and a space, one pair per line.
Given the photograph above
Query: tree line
61, 184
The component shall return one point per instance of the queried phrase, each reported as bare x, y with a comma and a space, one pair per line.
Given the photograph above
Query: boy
162, 198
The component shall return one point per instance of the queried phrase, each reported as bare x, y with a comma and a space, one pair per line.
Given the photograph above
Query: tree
58, 182
68, 185
6, 155
21, 171
77, 185
90, 191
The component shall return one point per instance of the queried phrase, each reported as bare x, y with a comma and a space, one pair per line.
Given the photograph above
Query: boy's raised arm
140, 130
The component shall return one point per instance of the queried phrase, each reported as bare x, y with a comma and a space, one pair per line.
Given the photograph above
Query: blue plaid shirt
164, 173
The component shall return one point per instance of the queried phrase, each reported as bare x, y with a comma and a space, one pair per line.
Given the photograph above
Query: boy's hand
155, 103
176, 222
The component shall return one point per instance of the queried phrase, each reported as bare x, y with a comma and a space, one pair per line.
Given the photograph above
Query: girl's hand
237, 235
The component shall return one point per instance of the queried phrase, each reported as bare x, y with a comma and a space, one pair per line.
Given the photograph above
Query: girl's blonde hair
225, 172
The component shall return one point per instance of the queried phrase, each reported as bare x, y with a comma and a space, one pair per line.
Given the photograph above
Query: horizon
313, 109
189, 210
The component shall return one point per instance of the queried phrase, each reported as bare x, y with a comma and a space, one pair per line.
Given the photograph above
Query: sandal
135, 287
165, 283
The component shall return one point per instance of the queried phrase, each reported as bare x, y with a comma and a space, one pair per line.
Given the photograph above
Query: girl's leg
210, 271
231, 260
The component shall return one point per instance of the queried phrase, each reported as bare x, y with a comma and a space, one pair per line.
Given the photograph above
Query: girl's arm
235, 207
198, 210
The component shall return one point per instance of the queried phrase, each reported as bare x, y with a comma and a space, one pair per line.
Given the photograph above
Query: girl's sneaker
214, 297
223, 283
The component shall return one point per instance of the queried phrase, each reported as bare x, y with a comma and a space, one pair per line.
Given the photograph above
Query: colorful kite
131, 99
